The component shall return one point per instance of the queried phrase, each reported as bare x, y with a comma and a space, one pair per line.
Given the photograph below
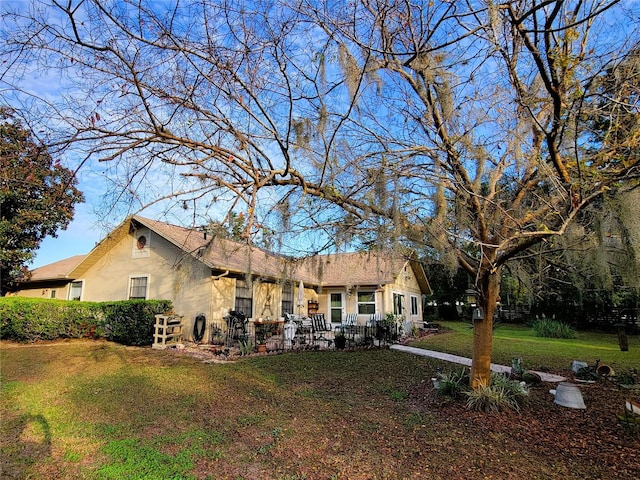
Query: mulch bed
591, 443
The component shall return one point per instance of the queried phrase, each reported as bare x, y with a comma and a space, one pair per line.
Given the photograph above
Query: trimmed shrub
30, 319
131, 322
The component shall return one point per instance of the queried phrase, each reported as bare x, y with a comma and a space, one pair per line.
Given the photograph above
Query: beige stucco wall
172, 275
44, 291
405, 284
267, 300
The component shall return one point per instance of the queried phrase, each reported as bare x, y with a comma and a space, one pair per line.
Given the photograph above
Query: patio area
292, 332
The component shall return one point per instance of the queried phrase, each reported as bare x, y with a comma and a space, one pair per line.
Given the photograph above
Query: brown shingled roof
218, 253
360, 268
56, 270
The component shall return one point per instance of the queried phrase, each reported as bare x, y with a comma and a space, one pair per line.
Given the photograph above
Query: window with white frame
366, 302
287, 298
138, 287
75, 290
414, 305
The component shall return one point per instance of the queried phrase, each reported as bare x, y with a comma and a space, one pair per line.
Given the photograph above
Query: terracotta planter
262, 348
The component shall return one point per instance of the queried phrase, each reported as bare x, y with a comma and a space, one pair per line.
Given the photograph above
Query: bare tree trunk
483, 330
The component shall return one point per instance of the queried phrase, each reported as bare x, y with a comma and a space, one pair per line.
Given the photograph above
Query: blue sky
88, 226
79, 238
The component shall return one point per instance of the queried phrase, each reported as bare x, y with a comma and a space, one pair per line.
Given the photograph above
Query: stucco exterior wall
267, 301
171, 274
405, 284
43, 290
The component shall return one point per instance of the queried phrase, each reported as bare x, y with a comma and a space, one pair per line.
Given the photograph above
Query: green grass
98, 410
520, 341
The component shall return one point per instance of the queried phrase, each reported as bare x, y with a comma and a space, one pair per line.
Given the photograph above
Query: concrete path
546, 377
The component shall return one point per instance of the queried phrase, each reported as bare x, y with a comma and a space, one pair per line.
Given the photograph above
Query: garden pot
262, 348
605, 371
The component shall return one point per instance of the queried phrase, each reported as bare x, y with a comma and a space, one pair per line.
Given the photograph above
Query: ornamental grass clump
452, 384
552, 328
501, 394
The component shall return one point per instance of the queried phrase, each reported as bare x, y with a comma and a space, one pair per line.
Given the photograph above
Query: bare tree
462, 127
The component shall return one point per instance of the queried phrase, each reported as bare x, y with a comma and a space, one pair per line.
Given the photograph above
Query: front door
336, 307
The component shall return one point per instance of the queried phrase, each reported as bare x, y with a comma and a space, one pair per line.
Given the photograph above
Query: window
336, 307
53, 294
366, 303
75, 290
138, 288
244, 297
141, 241
414, 305
398, 301
287, 298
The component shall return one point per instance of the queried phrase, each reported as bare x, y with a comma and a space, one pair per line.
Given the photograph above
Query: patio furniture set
299, 331
290, 332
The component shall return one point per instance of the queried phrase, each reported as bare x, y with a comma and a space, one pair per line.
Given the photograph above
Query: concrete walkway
546, 377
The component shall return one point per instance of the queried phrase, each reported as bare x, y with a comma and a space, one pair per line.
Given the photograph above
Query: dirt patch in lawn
437, 437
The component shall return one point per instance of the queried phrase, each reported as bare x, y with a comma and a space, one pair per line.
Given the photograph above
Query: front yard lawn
99, 410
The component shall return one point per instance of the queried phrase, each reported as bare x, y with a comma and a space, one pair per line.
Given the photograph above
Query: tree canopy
472, 129
37, 197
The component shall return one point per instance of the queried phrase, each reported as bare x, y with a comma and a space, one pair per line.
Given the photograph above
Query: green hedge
129, 322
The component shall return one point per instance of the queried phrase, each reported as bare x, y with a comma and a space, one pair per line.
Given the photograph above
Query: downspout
218, 277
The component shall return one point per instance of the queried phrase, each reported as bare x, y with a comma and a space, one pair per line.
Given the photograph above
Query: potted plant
340, 340
217, 337
261, 341
261, 338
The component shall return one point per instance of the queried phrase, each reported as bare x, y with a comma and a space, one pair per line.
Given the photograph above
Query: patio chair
349, 325
350, 320
374, 320
320, 328
236, 326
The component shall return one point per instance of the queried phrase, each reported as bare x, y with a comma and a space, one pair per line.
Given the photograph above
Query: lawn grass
511, 341
99, 410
